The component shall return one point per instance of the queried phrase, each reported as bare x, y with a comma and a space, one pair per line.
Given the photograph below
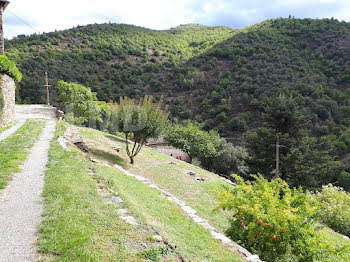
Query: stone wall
8, 90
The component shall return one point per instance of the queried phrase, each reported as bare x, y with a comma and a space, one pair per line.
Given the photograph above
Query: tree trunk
190, 158
131, 160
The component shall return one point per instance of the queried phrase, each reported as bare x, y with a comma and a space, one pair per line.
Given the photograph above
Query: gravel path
21, 203
34, 111
28, 112
7, 133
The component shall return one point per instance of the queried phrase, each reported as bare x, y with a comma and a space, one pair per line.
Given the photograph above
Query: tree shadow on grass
109, 157
114, 138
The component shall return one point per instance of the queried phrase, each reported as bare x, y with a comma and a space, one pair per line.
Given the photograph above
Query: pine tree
303, 160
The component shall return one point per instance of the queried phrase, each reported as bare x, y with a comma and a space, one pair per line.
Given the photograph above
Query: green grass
192, 240
15, 149
2, 129
173, 178
340, 241
79, 224
336, 237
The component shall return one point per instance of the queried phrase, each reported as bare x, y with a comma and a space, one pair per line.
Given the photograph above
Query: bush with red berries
276, 222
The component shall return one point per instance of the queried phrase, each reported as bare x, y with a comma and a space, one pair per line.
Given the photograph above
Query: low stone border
187, 209
72, 135
176, 161
197, 219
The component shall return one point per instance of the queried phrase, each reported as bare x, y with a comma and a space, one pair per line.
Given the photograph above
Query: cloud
45, 16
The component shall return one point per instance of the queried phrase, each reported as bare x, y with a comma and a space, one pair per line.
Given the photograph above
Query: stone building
8, 92
7, 87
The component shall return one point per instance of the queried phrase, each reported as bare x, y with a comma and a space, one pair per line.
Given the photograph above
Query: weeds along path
20, 204
24, 112
7, 133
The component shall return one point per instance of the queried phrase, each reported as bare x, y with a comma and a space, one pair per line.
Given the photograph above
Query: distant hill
215, 75
112, 59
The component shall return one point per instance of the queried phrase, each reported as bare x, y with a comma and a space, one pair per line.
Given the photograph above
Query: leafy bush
8, 67
344, 180
154, 254
80, 101
139, 120
335, 208
190, 138
275, 221
230, 159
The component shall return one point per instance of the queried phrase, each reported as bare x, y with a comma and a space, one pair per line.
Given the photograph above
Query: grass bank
80, 225
15, 149
173, 178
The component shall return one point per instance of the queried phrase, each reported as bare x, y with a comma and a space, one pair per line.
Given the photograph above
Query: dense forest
218, 76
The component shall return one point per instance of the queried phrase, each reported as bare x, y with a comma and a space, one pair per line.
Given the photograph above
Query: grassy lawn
337, 238
172, 178
80, 225
15, 149
192, 241
340, 241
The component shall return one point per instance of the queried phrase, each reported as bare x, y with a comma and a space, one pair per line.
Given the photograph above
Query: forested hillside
216, 75
112, 59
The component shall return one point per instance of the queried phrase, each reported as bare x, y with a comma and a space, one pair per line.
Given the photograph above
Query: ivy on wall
9, 67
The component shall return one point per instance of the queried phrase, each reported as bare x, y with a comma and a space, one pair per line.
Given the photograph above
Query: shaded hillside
307, 59
215, 75
113, 59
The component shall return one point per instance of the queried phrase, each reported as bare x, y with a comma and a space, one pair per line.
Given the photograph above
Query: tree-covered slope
113, 59
215, 75
306, 59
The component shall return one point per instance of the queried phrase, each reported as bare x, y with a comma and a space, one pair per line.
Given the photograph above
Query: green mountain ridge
216, 75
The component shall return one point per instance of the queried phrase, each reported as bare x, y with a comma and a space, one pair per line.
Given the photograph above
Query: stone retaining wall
8, 91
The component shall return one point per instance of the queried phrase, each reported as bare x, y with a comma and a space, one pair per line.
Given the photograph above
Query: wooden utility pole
47, 90
277, 156
3, 5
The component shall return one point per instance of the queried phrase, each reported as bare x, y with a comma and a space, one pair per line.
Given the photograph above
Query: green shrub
8, 67
275, 221
192, 139
230, 159
139, 120
154, 254
335, 208
81, 101
344, 181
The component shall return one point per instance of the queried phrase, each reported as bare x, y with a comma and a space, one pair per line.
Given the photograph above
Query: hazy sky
28, 17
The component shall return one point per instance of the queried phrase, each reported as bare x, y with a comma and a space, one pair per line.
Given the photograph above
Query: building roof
4, 3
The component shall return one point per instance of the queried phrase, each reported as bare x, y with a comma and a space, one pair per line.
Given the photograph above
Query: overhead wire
24, 22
